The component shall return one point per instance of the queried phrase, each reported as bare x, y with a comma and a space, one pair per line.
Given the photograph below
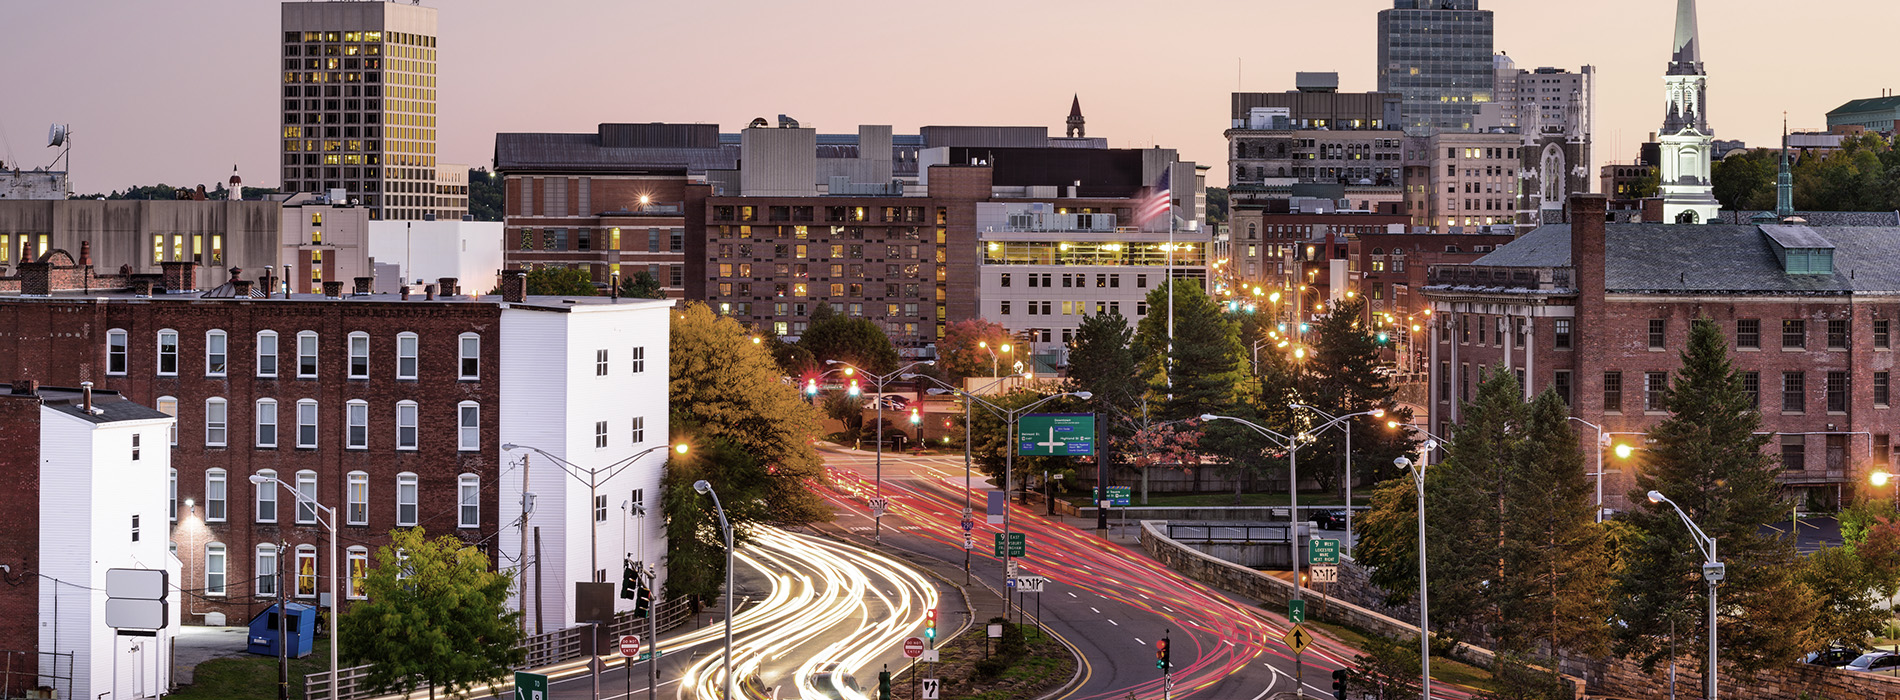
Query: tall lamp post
594, 478
326, 516
879, 380
1345, 423
1424, 609
1712, 572
985, 345
1292, 446
1603, 443
706, 488
966, 453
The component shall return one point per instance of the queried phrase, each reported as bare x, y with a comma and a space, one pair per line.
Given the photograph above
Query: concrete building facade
139, 236
415, 252
1436, 54
323, 241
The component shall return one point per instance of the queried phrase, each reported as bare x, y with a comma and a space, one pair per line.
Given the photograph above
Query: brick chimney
405, 292
141, 286
26, 387
36, 279
429, 290
514, 286
447, 285
364, 286
333, 290
1587, 220
181, 276
241, 287
85, 254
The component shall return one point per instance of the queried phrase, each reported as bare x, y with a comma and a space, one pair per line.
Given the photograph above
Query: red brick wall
607, 193
20, 537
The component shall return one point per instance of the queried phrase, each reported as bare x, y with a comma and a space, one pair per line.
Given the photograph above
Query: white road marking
1112, 622
1142, 643
1093, 610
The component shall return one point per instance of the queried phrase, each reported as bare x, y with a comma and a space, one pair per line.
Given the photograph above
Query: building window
1751, 385
359, 355
306, 354
1793, 392
214, 422
1882, 450
306, 571
357, 498
600, 508
173, 507
356, 428
639, 430
167, 353
1880, 389
266, 423
266, 354
1561, 383
406, 356
1883, 338
1654, 385
266, 569
216, 501
406, 499
468, 426
639, 359
1794, 334
169, 406
1612, 392
215, 357
600, 363
1837, 337
600, 434
358, 573
307, 423
1837, 392
306, 497
1444, 381
1794, 452
469, 501
115, 352
214, 569
469, 346
264, 499
1656, 333
406, 425
1748, 333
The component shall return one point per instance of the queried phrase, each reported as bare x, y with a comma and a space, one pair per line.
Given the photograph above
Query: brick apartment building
1600, 312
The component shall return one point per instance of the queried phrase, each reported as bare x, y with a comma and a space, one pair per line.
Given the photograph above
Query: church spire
1075, 117
1784, 181
1688, 49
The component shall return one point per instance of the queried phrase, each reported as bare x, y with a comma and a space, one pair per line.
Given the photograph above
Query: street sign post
1296, 611
1325, 573
1056, 435
530, 686
1018, 544
1322, 551
914, 647
969, 542
931, 686
879, 506
1118, 496
630, 645
1298, 639
968, 524
1031, 584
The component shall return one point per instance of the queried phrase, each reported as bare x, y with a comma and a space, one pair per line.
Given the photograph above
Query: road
1106, 600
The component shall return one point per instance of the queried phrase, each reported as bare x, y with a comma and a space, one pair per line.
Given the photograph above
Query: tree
1102, 362
485, 192
560, 281
858, 341
1707, 457
1879, 552
1465, 508
1386, 668
989, 445
1388, 538
696, 547
1198, 370
959, 353
641, 285
1346, 374
1844, 584
1554, 548
437, 615
725, 386
1746, 181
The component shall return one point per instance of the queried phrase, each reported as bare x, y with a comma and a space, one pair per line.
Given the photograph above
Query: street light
1424, 607
706, 488
1345, 423
593, 482
1603, 442
984, 344
966, 454
326, 516
1712, 572
1292, 447
877, 517
1881, 479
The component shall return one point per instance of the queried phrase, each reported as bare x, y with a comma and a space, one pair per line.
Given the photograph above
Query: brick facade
20, 539
599, 223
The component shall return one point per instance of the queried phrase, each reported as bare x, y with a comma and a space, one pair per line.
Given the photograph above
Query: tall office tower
1437, 55
1688, 190
359, 105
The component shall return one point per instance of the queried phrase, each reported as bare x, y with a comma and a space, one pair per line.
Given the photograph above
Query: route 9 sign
1056, 435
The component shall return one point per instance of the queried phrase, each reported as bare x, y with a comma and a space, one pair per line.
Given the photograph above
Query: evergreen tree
560, 281
1465, 511
1556, 553
1346, 374
1102, 362
641, 285
1201, 374
1707, 457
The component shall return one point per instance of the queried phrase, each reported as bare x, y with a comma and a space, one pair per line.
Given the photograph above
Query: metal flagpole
1168, 196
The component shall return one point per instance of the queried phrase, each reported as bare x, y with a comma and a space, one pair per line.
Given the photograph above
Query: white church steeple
1688, 191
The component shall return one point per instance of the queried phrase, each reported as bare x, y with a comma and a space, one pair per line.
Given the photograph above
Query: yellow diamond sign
1298, 639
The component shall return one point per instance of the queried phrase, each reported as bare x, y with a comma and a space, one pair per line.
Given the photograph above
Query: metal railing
1236, 532
16, 665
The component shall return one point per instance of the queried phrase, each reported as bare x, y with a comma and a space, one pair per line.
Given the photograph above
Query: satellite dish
56, 134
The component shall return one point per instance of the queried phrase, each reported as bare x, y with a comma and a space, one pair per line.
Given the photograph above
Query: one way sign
930, 686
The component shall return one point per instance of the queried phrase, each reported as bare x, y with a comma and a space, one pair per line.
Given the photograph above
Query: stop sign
914, 647
630, 646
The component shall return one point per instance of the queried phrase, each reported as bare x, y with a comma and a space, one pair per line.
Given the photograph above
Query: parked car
892, 402
1874, 662
1832, 656
1331, 519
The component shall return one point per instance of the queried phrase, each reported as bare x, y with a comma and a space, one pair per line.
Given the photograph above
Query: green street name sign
1018, 544
530, 686
1296, 611
1117, 495
1322, 551
1056, 435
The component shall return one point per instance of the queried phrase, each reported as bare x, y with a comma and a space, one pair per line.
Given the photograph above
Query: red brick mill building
1601, 313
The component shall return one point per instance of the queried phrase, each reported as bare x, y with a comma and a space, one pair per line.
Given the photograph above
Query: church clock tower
1688, 191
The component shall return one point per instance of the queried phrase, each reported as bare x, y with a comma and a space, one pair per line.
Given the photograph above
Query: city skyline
212, 103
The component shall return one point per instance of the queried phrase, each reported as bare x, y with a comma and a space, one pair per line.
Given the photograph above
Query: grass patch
252, 677
1043, 664
1443, 669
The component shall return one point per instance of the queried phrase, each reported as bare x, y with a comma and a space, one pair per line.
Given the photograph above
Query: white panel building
469, 251
583, 389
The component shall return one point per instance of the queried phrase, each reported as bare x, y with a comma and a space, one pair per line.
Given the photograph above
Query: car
832, 680
1331, 519
1874, 662
892, 402
1832, 656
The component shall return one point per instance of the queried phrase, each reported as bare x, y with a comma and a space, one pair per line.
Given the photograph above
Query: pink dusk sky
178, 92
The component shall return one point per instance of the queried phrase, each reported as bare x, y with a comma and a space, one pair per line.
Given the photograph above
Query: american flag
1160, 203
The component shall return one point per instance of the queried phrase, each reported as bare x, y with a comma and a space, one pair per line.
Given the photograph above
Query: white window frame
600, 435
164, 356
352, 583
118, 353
356, 425
308, 348
307, 417
217, 353
174, 494
218, 431
639, 359
408, 347
266, 417
468, 359
217, 569
304, 551
468, 501
356, 498
264, 569
600, 363
267, 350
639, 431
410, 412
217, 495
307, 500
266, 497
168, 405
468, 426
359, 355
409, 489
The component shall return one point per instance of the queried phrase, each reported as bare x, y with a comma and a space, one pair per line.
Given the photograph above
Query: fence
20, 674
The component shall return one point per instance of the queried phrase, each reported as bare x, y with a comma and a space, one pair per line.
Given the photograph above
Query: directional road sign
530, 686
969, 542
1031, 584
1322, 551
1325, 573
1296, 611
1018, 544
968, 524
931, 688
1298, 639
1117, 495
1056, 435
879, 506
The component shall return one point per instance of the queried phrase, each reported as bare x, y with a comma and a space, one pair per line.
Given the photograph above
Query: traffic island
1023, 663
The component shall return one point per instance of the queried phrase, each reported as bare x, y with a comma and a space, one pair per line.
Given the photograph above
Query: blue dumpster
302, 628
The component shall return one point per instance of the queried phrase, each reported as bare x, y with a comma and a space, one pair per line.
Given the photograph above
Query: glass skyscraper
1436, 54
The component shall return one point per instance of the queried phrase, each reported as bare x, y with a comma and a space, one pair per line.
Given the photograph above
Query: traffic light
1161, 654
1339, 684
883, 685
916, 418
930, 623
1383, 337
852, 389
629, 583
811, 387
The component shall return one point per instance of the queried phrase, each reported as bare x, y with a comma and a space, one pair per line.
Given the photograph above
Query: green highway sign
1296, 611
1018, 544
1322, 551
1117, 495
1056, 435
530, 686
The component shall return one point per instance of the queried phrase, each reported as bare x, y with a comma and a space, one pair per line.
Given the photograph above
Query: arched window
468, 426
115, 351
359, 355
306, 497
358, 573
358, 498
468, 500
306, 575
168, 405
406, 344
406, 438
215, 572
216, 358
266, 422
469, 354
306, 354
406, 499
215, 426
307, 423
266, 353
265, 569
168, 353
356, 424
266, 501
